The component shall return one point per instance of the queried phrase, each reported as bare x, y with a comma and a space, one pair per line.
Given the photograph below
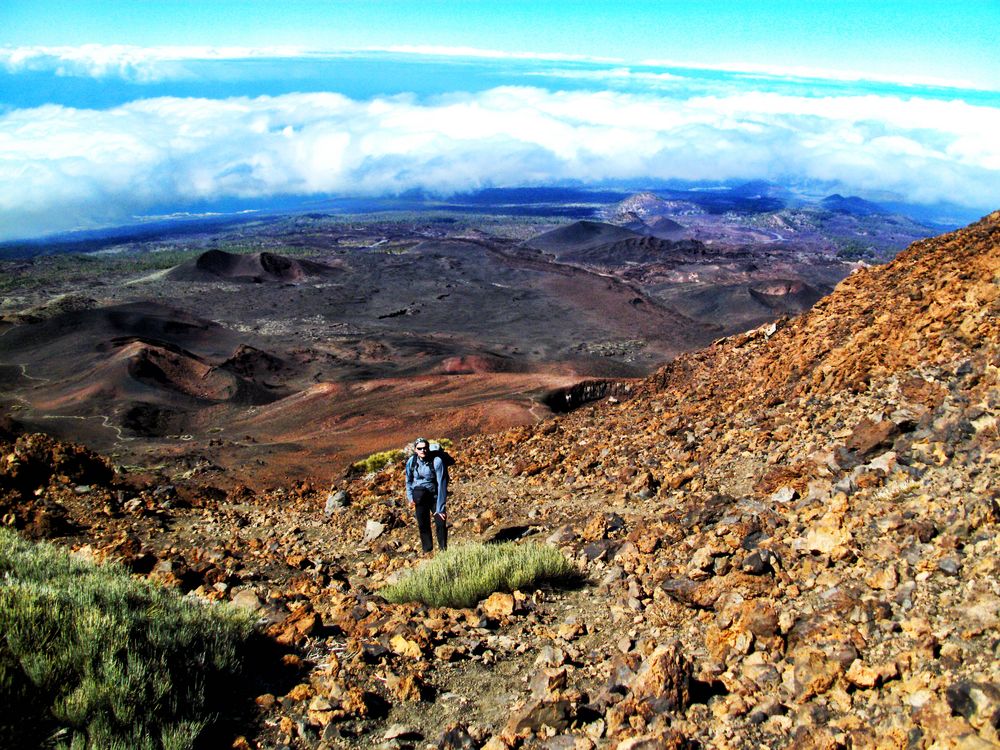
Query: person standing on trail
427, 493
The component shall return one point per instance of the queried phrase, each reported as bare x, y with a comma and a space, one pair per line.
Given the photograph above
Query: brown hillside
935, 305
808, 510
790, 539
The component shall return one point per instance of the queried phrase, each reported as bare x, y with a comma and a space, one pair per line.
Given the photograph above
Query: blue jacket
434, 478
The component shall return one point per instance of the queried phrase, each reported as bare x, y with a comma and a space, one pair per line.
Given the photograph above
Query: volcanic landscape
786, 532
287, 347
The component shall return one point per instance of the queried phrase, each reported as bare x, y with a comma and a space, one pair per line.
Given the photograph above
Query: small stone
550, 656
784, 495
405, 647
949, 566
498, 606
884, 463
562, 535
538, 713
548, 681
406, 688
861, 675
757, 563
401, 732
373, 530
446, 653
978, 702
814, 673
665, 677
320, 712
247, 600
265, 701
568, 631
869, 435
299, 693
336, 501
883, 579
826, 537
296, 627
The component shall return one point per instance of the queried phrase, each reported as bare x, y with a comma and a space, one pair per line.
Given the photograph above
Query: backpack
434, 450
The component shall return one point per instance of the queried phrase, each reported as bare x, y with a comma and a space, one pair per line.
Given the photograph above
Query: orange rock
296, 627
498, 605
407, 688
300, 692
320, 712
405, 647
265, 701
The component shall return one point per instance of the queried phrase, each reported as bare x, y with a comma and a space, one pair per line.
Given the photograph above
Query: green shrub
463, 575
93, 658
378, 461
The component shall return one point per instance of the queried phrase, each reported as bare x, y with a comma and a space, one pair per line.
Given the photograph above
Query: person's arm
442, 482
408, 473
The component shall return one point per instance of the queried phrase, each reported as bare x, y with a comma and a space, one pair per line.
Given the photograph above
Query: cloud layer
165, 63
63, 168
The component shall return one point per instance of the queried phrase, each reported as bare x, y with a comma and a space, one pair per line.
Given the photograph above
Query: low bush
91, 657
378, 461
463, 575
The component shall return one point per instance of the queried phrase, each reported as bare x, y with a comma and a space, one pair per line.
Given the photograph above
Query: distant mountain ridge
852, 204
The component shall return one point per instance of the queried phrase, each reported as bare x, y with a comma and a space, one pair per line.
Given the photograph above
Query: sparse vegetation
378, 461
897, 490
93, 658
463, 575
851, 249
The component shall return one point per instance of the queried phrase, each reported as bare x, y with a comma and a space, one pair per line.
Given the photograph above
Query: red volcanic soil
154, 385
362, 418
323, 362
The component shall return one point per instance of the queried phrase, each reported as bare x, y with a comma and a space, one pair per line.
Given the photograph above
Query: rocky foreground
790, 540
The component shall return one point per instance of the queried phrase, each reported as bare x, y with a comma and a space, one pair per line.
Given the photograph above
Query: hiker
427, 493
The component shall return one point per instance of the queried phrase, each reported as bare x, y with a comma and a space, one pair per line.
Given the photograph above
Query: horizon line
106, 59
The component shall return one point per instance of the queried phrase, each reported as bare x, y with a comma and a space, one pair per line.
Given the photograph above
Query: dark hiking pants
424, 502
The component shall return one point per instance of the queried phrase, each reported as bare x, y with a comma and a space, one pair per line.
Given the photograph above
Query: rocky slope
789, 538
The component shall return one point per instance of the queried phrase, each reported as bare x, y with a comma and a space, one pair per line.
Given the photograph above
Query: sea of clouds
64, 167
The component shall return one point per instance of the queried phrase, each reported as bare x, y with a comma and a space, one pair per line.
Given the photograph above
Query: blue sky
894, 38
111, 111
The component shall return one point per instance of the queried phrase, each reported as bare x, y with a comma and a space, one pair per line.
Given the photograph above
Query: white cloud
164, 63
171, 63
474, 52
621, 74
810, 73
61, 168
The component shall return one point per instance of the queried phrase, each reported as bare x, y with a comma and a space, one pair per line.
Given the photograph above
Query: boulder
538, 713
373, 530
498, 605
868, 435
336, 501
